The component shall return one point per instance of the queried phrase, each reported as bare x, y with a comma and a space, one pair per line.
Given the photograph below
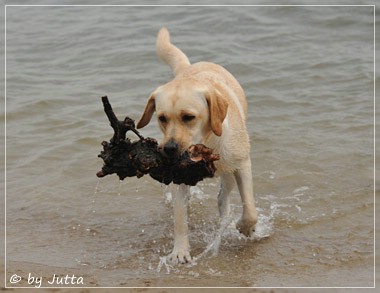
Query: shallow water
308, 76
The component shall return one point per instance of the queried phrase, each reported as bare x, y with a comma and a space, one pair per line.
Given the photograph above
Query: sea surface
308, 74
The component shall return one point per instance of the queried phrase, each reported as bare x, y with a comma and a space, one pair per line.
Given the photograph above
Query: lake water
308, 74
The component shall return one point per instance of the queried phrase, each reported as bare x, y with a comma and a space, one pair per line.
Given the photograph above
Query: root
128, 159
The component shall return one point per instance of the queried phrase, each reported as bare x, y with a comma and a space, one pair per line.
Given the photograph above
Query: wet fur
214, 98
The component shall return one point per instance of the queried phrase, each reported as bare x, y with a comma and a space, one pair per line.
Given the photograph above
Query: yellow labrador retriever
204, 104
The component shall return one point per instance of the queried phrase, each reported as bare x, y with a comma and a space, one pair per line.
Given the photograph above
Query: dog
203, 104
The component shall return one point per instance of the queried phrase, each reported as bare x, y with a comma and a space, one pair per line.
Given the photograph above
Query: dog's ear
217, 108
148, 112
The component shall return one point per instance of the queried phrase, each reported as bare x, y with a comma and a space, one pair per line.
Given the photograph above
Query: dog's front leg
181, 250
243, 176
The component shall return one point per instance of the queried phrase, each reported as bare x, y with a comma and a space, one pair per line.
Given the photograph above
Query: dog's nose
171, 149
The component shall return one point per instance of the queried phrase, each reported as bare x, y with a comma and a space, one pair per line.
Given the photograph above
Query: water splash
168, 197
213, 247
96, 190
198, 193
264, 229
264, 226
164, 263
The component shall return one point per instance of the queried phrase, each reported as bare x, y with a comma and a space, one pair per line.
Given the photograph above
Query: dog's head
187, 112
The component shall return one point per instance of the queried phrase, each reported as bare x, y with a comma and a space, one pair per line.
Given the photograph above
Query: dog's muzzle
171, 149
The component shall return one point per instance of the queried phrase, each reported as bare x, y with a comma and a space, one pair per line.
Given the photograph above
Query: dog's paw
246, 226
180, 256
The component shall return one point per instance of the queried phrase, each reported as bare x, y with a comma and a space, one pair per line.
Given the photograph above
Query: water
308, 76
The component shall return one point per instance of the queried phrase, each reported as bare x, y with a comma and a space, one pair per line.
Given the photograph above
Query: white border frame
174, 5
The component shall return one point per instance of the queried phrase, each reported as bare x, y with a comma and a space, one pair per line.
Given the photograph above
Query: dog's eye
162, 119
187, 118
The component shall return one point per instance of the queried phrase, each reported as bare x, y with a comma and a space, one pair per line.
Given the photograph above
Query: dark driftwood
143, 156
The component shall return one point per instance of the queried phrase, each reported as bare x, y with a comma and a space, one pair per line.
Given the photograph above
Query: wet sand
93, 279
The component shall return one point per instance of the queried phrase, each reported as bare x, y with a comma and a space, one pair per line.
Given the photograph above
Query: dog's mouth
172, 149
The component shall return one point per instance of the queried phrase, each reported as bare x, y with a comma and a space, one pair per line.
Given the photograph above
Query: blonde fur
169, 53
216, 102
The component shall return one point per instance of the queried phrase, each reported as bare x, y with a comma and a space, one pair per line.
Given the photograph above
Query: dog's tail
169, 53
